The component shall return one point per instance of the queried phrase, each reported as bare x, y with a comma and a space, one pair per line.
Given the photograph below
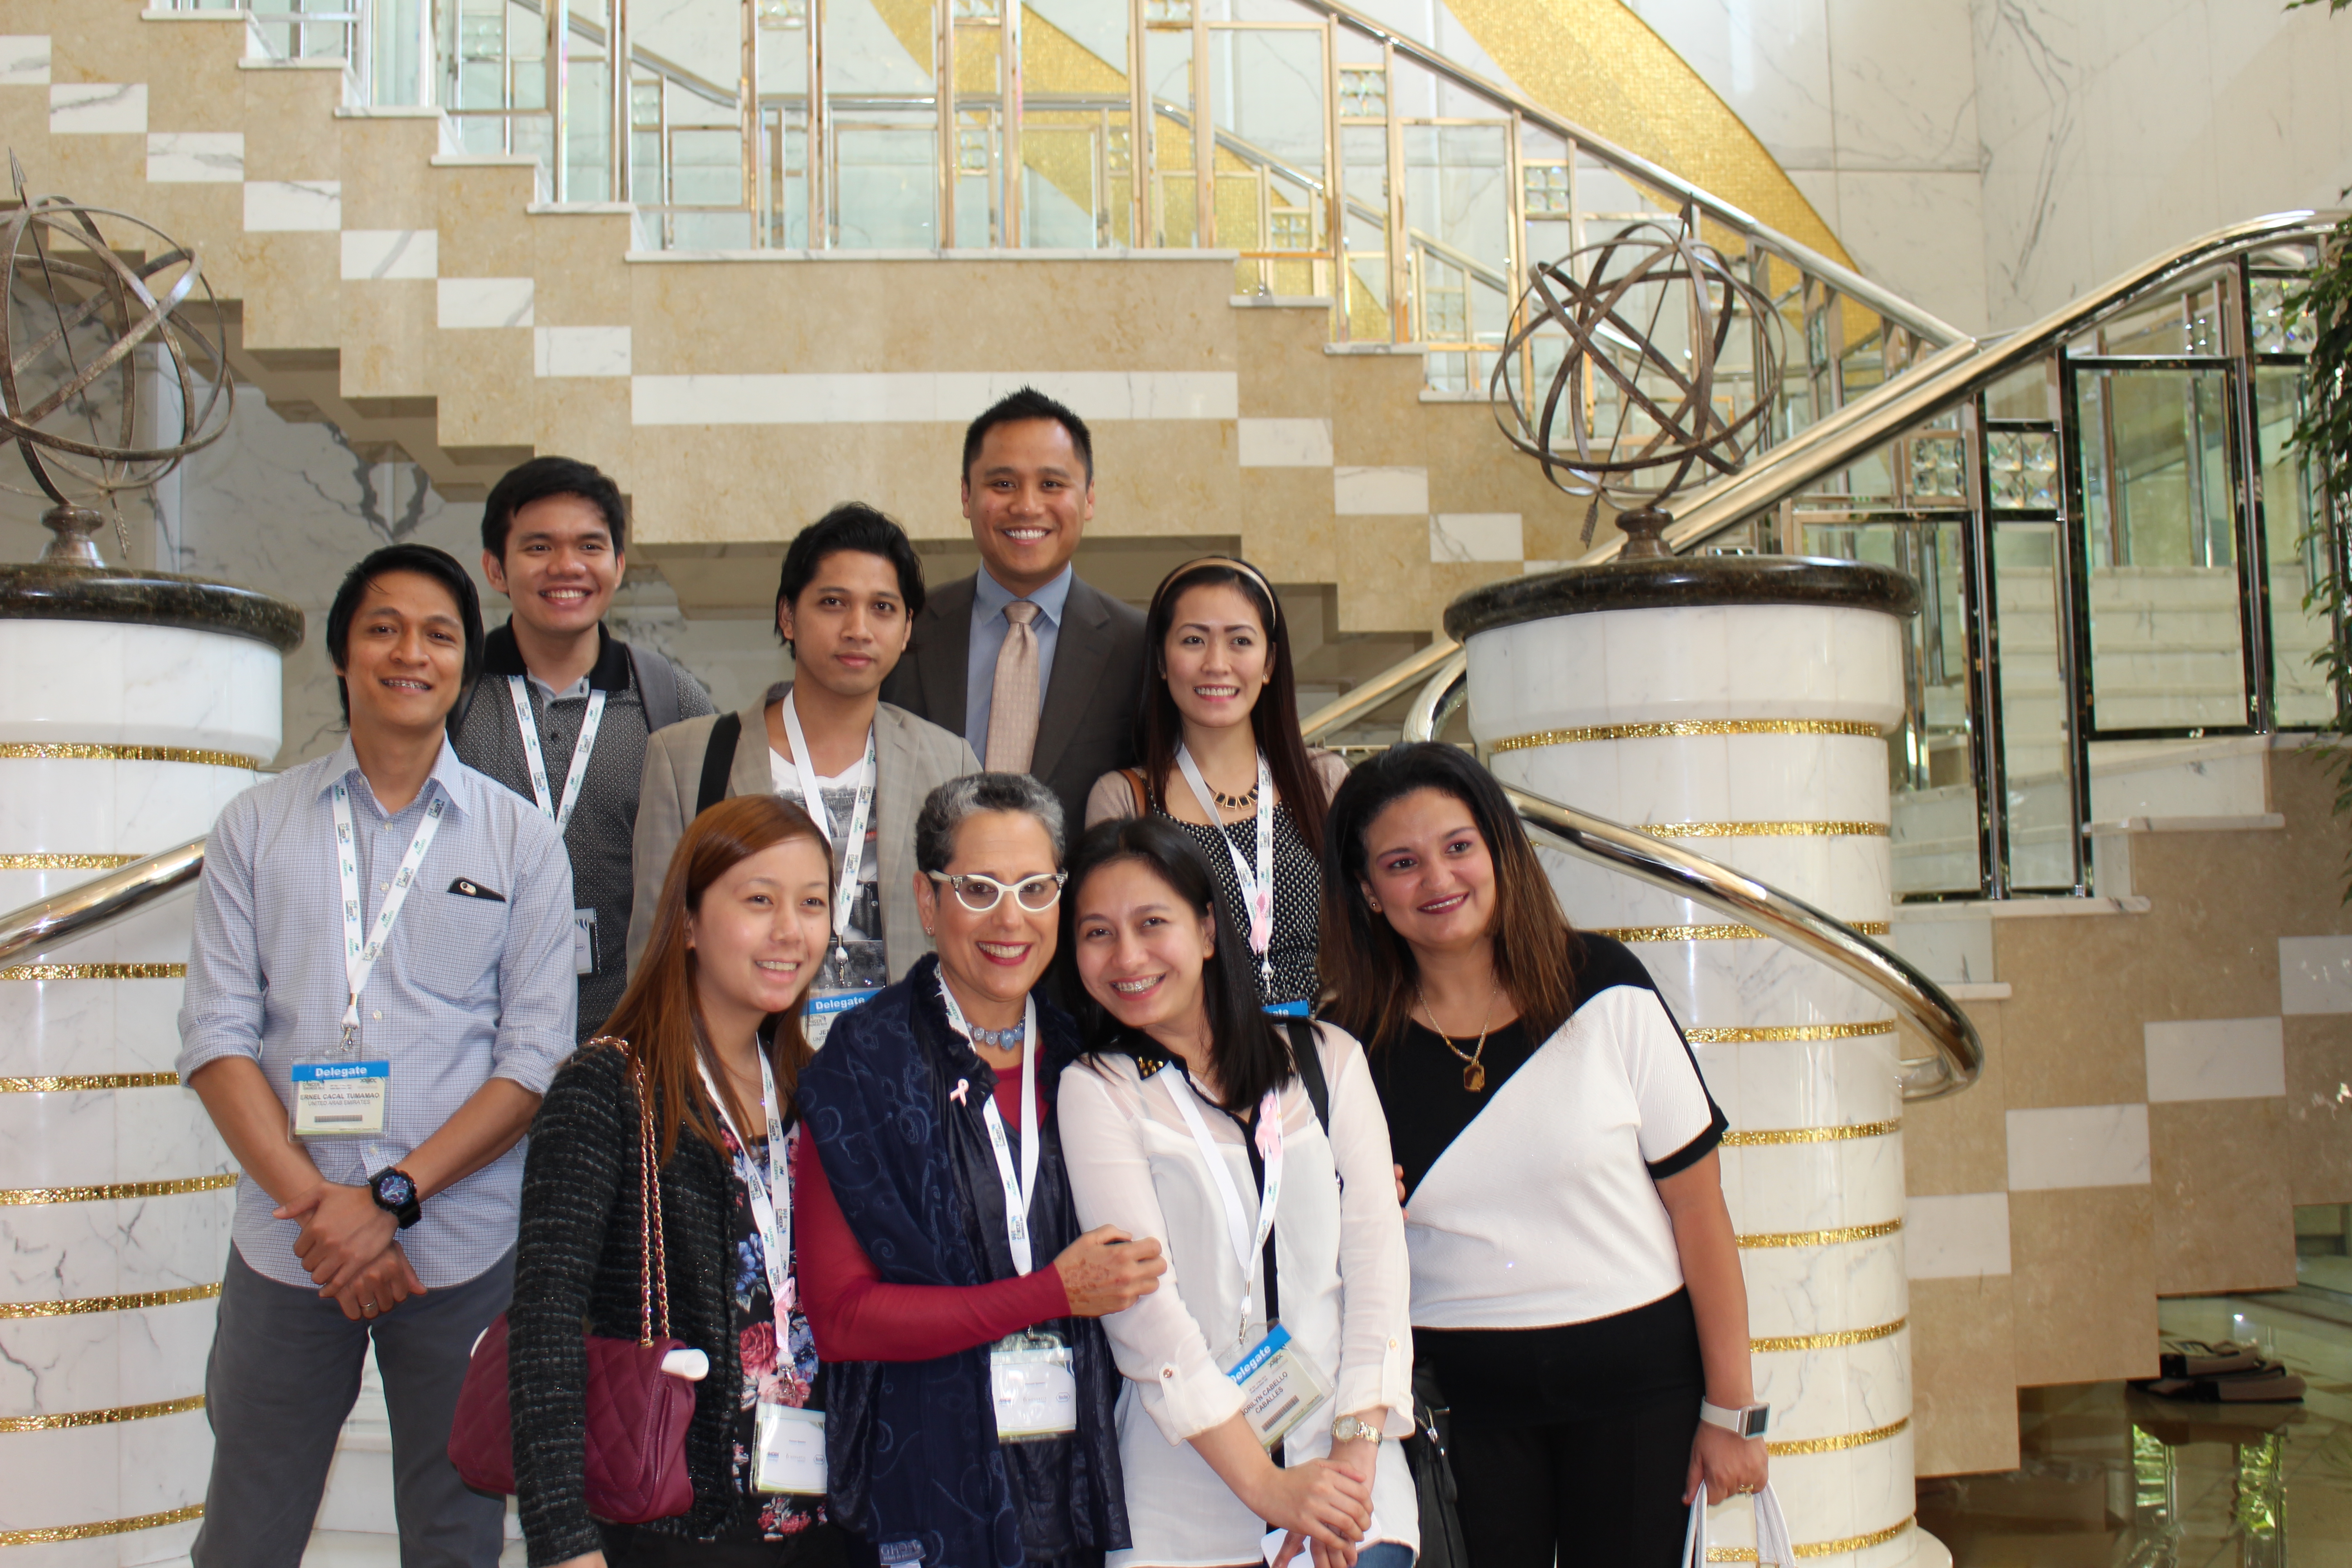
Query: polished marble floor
2114, 1478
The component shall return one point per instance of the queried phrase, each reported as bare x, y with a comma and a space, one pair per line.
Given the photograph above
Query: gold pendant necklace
1474, 1071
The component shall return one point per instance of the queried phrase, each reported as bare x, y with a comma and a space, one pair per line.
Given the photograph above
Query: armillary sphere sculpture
87, 288
1623, 377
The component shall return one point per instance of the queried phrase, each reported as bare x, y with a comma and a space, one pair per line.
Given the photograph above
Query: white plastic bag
1771, 1531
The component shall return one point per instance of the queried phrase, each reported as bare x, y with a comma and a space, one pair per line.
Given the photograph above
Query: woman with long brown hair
1576, 1282
710, 1026
1222, 757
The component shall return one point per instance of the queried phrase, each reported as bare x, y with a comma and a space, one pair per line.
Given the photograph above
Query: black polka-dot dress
1289, 974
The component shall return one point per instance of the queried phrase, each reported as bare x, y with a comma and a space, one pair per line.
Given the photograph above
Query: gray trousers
284, 1372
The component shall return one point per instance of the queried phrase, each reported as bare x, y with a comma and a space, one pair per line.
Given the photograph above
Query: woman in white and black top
1576, 1281
1221, 756
1257, 1153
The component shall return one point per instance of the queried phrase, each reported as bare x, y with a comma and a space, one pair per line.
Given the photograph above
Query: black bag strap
1308, 1063
718, 760
657, 687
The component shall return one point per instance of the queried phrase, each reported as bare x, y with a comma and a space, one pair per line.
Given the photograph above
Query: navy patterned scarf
911, 1446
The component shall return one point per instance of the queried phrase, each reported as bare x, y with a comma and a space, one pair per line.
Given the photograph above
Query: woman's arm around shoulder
583, 1137
1376, 1277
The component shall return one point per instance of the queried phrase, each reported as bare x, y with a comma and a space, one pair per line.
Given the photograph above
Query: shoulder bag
1771, 1531
637, 1412
1425, 1450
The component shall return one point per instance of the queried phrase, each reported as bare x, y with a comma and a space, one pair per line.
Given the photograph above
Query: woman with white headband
1221, 755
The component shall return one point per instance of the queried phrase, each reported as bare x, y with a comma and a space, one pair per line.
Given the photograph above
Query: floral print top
789, 1377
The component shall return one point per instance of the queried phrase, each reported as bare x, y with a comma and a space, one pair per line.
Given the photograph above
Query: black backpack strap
1309, 1061
718, 760
657, 687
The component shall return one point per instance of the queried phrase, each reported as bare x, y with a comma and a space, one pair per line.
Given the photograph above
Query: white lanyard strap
1018, 1189
771, 1202
1257, 892
853, 851
595, 718
361, 950
1248, 1248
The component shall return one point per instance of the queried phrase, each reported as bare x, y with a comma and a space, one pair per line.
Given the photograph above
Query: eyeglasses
981, 893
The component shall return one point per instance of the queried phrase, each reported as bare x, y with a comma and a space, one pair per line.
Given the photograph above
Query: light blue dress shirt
469, 987
989, 629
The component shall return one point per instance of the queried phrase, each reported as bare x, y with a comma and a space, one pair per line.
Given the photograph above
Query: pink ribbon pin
957, 1094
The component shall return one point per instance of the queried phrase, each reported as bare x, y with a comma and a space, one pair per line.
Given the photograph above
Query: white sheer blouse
1344, 1286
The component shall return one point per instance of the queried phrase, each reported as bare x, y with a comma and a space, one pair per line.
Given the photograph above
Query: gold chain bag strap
634, 1412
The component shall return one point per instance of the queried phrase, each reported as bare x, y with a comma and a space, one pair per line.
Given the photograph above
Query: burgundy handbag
637, 1414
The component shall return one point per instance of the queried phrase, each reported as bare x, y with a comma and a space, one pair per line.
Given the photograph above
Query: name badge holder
826, 1005
1029, 1373
790, 1456
340, 1092
1281, 1385
584, 922
1257, 886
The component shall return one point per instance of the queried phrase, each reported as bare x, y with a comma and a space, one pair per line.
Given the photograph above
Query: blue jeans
1386, 1555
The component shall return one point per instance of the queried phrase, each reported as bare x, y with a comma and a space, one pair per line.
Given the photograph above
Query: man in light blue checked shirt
398, 1228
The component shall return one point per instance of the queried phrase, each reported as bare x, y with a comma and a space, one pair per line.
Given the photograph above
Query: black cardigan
576, 1263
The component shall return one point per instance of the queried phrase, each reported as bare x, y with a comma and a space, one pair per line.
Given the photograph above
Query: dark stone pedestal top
49, 591
1681, 581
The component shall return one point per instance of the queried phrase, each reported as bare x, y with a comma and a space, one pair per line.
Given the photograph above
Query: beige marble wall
2218, 1018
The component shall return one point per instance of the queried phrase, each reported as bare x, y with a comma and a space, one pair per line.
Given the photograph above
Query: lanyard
844, 892
1019, 1190
560, 815
1257, 892
771, 1202
1248, 1248
360, 953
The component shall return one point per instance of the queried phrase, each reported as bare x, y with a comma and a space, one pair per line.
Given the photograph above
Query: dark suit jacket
1087, 725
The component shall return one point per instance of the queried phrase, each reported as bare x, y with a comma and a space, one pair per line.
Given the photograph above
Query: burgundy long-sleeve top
855, 1315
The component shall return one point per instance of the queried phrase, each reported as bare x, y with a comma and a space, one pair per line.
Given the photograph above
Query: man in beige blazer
851, 588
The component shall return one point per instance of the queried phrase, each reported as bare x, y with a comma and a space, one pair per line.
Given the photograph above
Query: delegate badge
1036, 1393
825, 1007
1281, 1386
792, 1451
339, 1099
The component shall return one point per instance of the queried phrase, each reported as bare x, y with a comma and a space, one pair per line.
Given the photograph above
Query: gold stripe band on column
75, 1083
1716, 933
48, 862
1837, 1445
1822, 1237
20, 1196
1762, 829
1838, 1339
58, 1532
1685, 729
60, 752
1768, 1137
1762, 1034
100, 1417
132, 1303
95, 972
1815, 1548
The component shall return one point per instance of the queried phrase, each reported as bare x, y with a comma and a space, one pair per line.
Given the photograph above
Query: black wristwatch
394, 1191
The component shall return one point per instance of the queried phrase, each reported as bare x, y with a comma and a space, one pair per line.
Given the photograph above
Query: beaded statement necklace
999, 1039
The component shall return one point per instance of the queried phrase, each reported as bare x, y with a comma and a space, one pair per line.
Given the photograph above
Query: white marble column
116, 740
1750, 733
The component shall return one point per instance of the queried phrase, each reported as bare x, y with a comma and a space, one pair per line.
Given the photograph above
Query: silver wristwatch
1349, 1429
1746, 1421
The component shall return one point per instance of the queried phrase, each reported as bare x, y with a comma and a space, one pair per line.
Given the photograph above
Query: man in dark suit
1038, 670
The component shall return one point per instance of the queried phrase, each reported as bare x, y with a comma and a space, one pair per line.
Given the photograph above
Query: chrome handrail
1380, 689
1944, 379
1960, 1054
88, 907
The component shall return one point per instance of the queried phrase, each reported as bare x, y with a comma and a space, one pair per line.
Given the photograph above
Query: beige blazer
912, 758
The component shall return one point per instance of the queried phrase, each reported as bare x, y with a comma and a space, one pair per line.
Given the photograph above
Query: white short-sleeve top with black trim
1534, 1202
